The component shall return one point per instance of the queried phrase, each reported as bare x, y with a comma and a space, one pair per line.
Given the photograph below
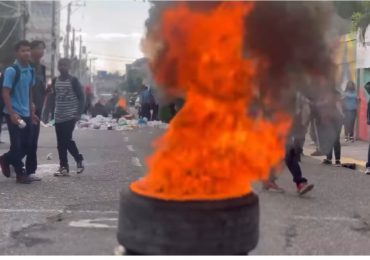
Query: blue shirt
21, 95
145, 97
350, 100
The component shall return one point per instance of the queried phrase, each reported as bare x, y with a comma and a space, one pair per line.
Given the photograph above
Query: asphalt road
78, 215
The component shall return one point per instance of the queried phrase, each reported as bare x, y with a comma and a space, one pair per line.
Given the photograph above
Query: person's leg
329, 156
347, 120
60, 130
146, 111
31, 160
337, 146
368, 158
155, 112
291, 161
1, 124
352, 124
312, 131
14, 155
71, 145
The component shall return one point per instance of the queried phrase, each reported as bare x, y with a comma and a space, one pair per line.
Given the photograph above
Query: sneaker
62, 172
80, 167
5, 168
351, 139
367, 171
338, 163
303, 188
327, 162
272, 186
23, 179
34, 178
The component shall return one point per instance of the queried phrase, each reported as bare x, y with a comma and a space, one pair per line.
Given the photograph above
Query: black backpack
16, 79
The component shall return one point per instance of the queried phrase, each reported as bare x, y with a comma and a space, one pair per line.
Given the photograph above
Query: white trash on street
107, 123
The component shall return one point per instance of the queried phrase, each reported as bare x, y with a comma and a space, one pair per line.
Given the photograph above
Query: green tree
358, 12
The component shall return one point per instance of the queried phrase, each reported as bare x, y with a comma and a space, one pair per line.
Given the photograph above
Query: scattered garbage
123, 124
49, 156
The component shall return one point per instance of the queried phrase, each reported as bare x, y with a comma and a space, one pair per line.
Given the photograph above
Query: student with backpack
16, 86
69, 105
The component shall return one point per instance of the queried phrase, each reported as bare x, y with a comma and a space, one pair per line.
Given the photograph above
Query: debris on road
123, 124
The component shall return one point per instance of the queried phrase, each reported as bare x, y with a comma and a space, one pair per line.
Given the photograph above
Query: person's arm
367, 87
340, 108
34, 118
9, 77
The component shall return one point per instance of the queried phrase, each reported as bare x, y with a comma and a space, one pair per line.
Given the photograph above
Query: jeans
349, 122
31, 160
19, 143
64, 132
155, 108
336, 147
292, 158
145, 111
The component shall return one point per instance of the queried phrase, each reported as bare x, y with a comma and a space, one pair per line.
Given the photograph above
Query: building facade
44, 24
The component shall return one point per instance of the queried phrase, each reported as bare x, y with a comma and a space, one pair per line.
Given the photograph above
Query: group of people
324, 116
24, 92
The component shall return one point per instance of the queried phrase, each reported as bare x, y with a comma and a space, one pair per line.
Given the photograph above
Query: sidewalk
351, 152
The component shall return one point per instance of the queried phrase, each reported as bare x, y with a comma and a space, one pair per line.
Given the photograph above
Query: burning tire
150, 226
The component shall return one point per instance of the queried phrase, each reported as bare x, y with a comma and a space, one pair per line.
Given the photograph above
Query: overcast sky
111, 30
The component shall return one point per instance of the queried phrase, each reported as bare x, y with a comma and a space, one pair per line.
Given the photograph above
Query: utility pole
80, 59
68, 30
73, 43
91, 70
53, 40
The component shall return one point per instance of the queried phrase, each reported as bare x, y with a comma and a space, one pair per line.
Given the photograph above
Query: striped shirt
66, 101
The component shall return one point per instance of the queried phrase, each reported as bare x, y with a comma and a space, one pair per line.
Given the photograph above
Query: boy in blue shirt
17, 96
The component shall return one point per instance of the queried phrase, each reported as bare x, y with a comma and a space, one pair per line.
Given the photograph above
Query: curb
361, 165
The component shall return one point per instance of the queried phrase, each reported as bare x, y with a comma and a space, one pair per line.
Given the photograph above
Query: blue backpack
15, 82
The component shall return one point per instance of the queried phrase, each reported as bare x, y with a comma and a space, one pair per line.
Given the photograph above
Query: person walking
17, 95
293, 150
69, 105
331, 122
145, 103
351, 103
38, 94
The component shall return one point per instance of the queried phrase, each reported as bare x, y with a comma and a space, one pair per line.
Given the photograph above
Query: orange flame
213, 149
122, 102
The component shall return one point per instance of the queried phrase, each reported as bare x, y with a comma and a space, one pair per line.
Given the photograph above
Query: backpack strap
16, 77
77, 88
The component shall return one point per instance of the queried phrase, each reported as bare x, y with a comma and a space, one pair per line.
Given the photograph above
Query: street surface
78, 215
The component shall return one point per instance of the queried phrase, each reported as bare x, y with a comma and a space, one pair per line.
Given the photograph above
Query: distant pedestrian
331, 121
154, 104
351, 102
89, 96
99, 109
69, 105
145, 103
